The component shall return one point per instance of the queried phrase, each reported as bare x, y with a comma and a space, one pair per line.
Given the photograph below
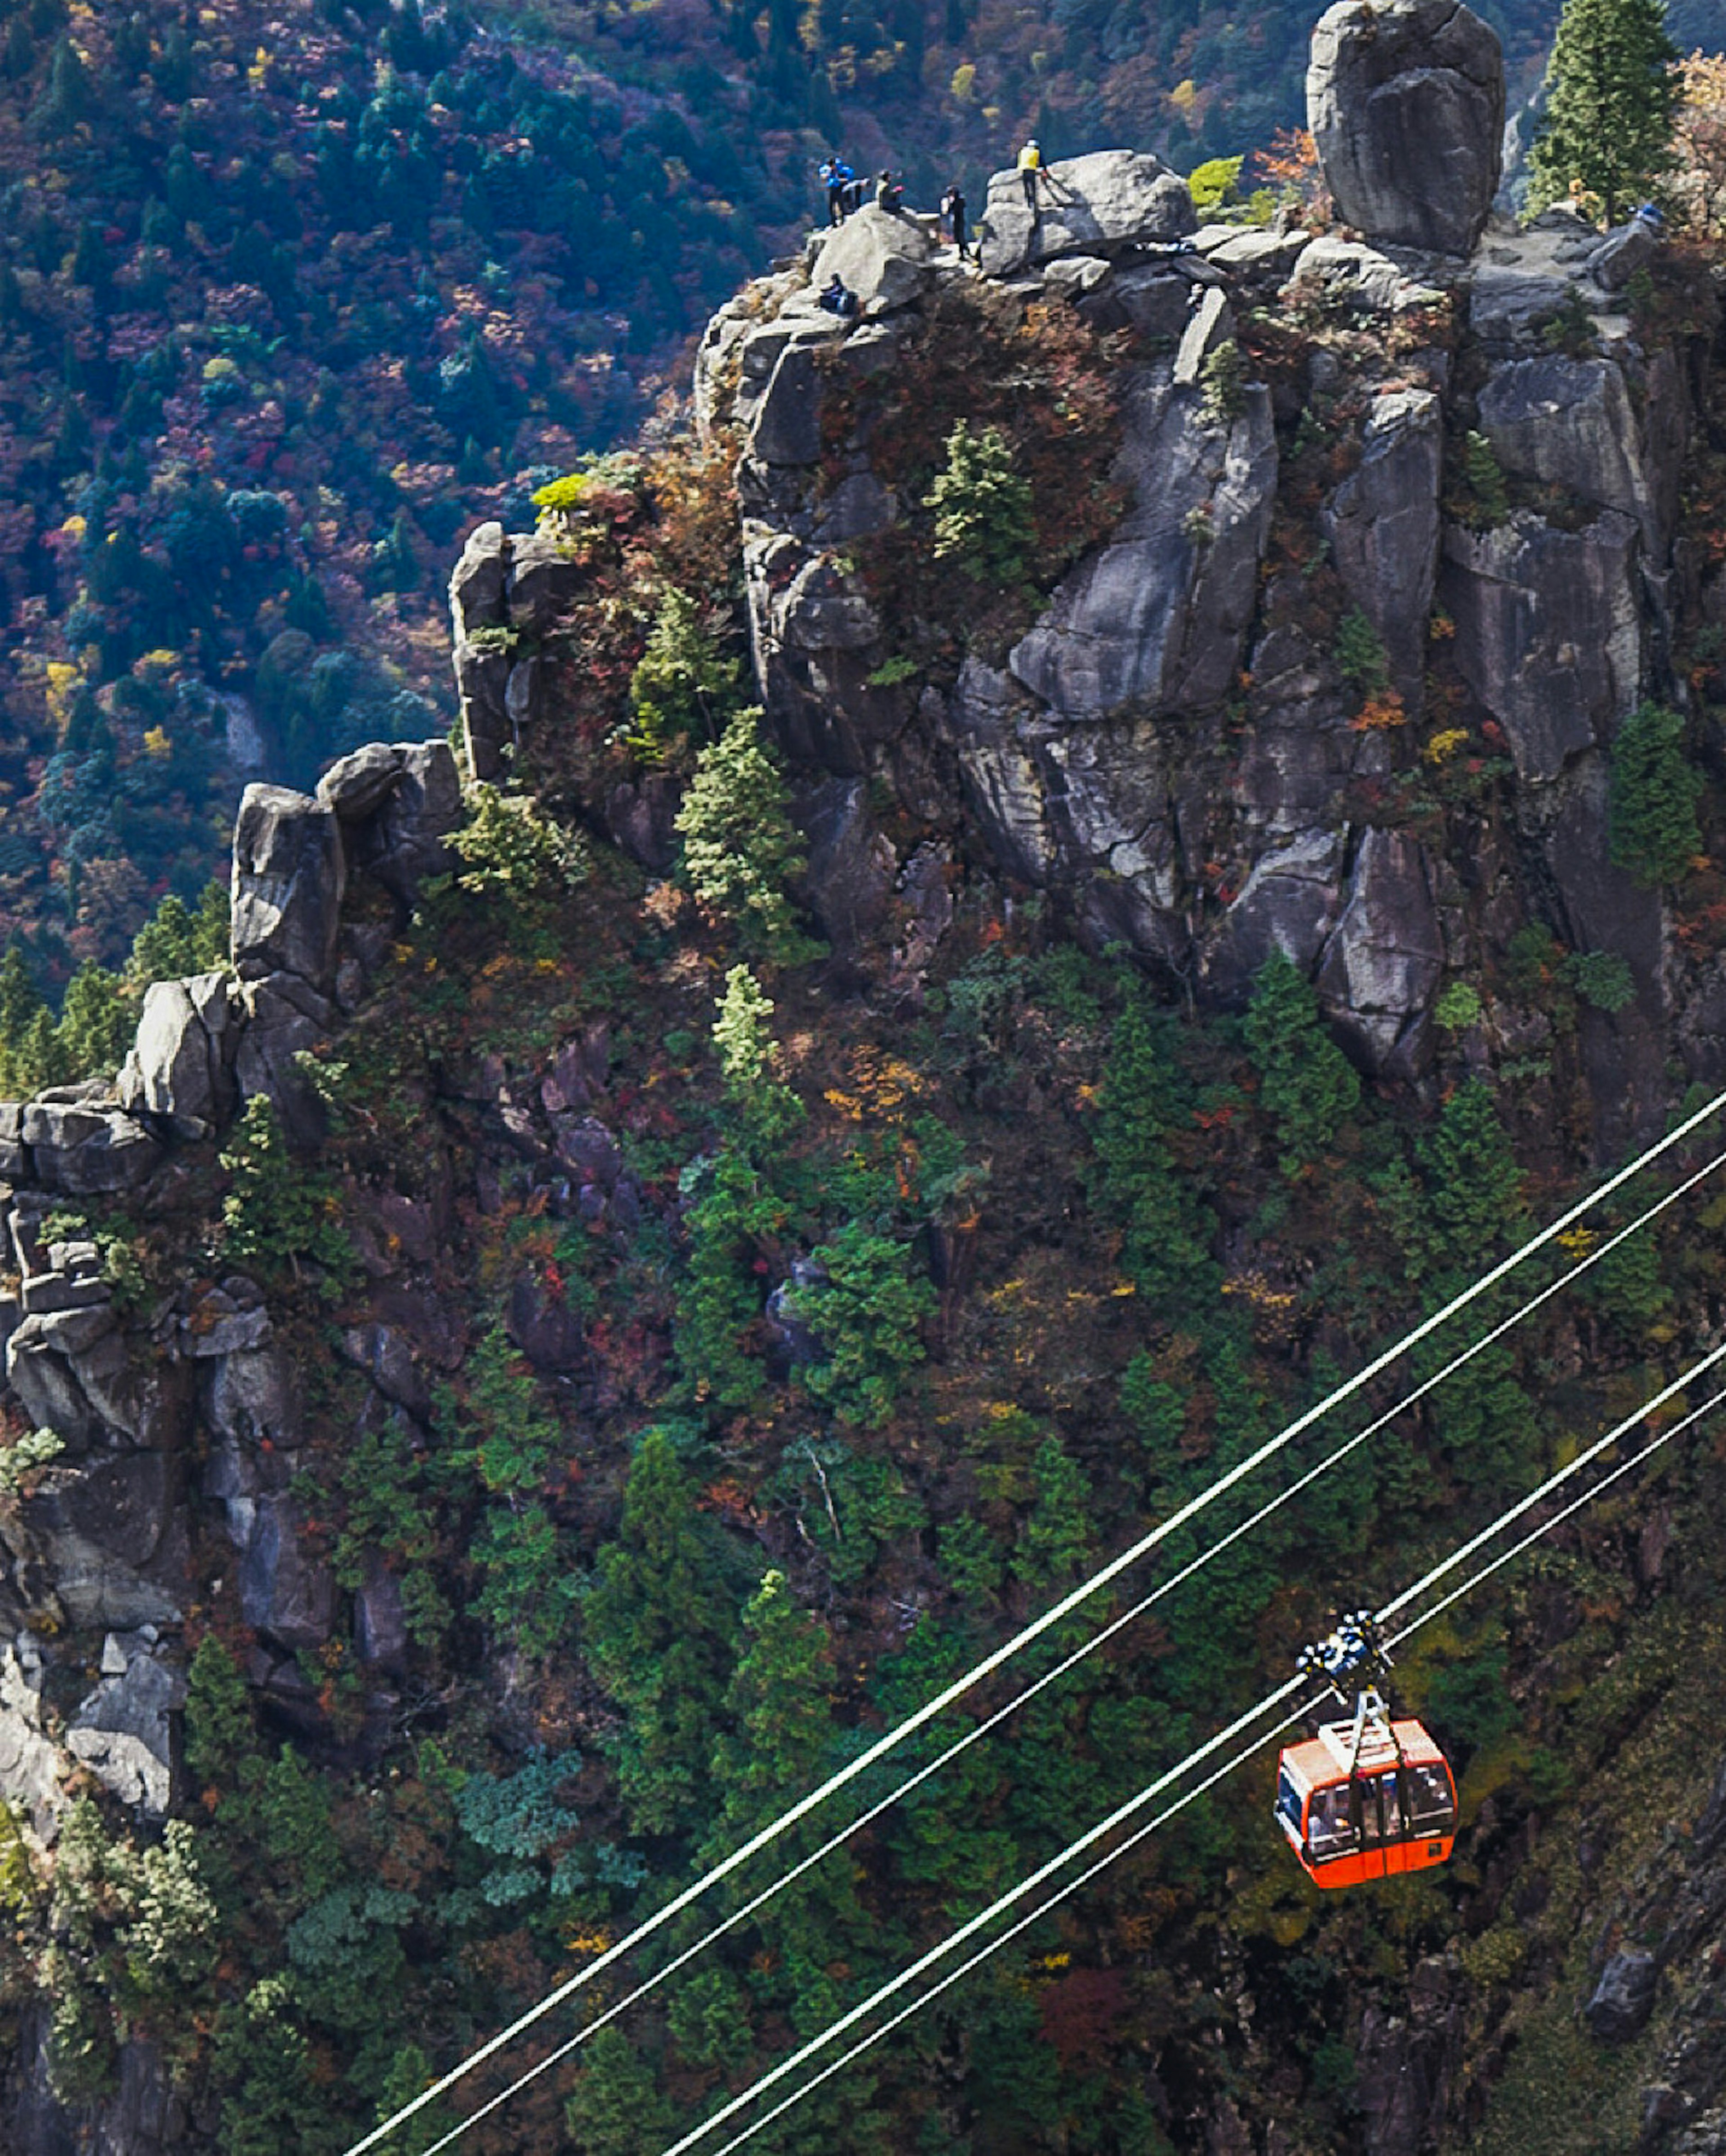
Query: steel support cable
1122, 1812
1143, 1833
1059, 1669
1059, 1610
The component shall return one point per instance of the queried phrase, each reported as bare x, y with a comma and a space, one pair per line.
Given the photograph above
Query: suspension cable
1142, 1833
1063, 1668
1122, 1812
1064, 1607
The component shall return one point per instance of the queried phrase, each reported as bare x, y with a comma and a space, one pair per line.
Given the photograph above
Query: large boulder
787, 427
285, 1592
112, 1538
29, 1764
477, 588
1549, 632
886, 260
1288, 904
482, 673
1382, 523
1624, 1998
1571, 423
1103, 204
80, 1149
1406, 102
290, 871
180, 1067
546, 579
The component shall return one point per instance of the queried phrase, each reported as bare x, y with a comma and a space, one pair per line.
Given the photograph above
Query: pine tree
685, 684
778, 1701
1307, 1083
1610, 123
616, 2108
740, 849
743, 1041
659, 1622
984, 520
1654, 788
96, 1022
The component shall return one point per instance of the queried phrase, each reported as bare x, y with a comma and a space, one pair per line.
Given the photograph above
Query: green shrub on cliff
740, 849
685, 686
1655, 790
277, 1212
865, 1314
984, 521
511, 849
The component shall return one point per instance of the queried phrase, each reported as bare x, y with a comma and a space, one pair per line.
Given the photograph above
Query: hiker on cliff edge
1031, 164
952, 216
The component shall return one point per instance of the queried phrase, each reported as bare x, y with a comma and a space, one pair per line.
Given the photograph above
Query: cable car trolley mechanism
1371, 1796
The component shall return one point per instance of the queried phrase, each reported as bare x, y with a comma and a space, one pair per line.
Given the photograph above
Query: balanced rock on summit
1405, 101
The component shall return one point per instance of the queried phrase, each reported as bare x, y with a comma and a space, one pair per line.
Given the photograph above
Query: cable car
1370, 1797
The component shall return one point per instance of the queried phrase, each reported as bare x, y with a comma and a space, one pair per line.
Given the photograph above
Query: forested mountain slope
1096, 842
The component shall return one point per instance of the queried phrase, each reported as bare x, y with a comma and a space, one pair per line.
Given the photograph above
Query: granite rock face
1383, 525
1384, 960
1406, 102
1549, 631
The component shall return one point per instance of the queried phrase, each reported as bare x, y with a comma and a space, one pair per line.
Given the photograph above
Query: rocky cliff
1342, 559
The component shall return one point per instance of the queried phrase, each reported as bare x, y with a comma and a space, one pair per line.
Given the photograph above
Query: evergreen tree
1164, 1247
1614, 93
1654, 788
778, 1701
20, 1000
743, 1041
740, 849
865, 1312
616, 2108
722, 1297
685, 685
1055, 1536
658, 1621
984, 520
1307, 1083
97, 1022
1474, 1186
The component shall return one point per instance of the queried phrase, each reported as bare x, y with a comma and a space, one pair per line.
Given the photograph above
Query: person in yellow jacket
1030, 163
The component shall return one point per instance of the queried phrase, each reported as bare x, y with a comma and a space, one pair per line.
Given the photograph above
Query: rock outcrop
1101, 205
1406, 102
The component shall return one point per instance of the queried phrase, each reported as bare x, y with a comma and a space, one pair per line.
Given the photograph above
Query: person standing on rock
1031, 164
952, 215
835, 177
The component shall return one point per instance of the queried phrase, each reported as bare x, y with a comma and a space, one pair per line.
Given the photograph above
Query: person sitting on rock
1030, 163
889, 193
837, 297
952, 216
